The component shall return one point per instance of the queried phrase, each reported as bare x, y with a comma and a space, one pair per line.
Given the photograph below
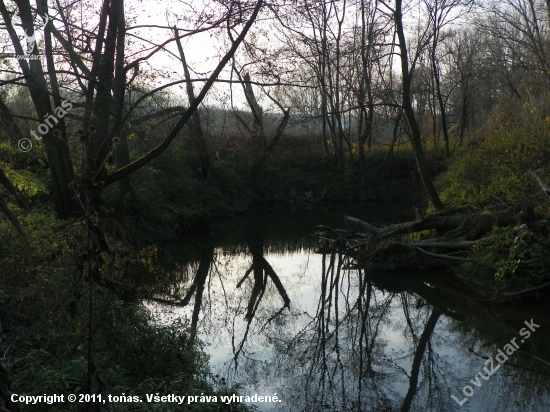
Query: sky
202, 51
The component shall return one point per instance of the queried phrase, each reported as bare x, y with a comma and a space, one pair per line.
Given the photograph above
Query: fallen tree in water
501, 247
451, 233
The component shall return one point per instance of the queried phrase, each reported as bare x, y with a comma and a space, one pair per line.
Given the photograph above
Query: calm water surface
324, 335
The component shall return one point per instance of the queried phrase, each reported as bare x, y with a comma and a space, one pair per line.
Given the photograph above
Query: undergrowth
495, 170
521, 256
44, 311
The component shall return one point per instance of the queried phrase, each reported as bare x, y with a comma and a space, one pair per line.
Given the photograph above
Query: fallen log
361, 225
470, 225
391, 248
476, 224
461, 235
459, 245
545, 285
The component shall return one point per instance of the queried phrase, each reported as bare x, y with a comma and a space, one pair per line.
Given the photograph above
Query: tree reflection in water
262, 271
353, 340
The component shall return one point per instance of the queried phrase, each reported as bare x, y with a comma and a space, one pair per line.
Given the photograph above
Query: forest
141, 143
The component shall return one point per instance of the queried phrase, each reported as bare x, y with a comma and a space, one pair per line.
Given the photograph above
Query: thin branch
142, 161
458, 259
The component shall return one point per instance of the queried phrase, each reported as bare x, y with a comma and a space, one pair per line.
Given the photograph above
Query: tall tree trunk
57, 150
365, 91
103, 102
409, 111
106, 109
121, 154
196, 128
324, 93
98, 108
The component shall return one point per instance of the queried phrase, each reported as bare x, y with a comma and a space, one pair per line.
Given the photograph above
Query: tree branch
142, 161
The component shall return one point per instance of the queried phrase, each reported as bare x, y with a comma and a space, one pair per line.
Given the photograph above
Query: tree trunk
103, 103
121, 154
7, 120
395, 137
463, 119
440, 101
267, 151
409, 112
196, 128
365, 92
57, 150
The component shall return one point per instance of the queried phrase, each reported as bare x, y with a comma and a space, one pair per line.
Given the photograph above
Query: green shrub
521, 256
527, 262
495, 170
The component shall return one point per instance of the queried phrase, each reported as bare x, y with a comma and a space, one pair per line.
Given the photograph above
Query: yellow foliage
25, 181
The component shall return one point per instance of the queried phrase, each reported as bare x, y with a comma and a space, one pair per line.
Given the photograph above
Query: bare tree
408, 108
518, 27
196, 128
57, 149
439, 15
101, 73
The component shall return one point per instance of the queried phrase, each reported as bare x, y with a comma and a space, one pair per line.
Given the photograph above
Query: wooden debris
456, 231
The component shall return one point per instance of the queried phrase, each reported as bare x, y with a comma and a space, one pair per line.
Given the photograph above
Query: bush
495, 170
521, 255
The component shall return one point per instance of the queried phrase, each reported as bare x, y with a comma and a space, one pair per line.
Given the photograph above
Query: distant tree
441, 13
519, 34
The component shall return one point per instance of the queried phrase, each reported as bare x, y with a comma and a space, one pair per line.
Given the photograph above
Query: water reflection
326, 335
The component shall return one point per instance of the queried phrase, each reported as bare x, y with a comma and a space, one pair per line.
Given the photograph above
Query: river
321, 333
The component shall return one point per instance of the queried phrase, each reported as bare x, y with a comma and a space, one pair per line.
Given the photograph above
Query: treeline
354, 76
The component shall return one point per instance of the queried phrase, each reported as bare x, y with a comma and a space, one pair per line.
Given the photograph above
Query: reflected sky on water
351, 339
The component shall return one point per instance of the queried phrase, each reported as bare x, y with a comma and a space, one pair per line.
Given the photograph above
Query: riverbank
57, 316
169, 198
